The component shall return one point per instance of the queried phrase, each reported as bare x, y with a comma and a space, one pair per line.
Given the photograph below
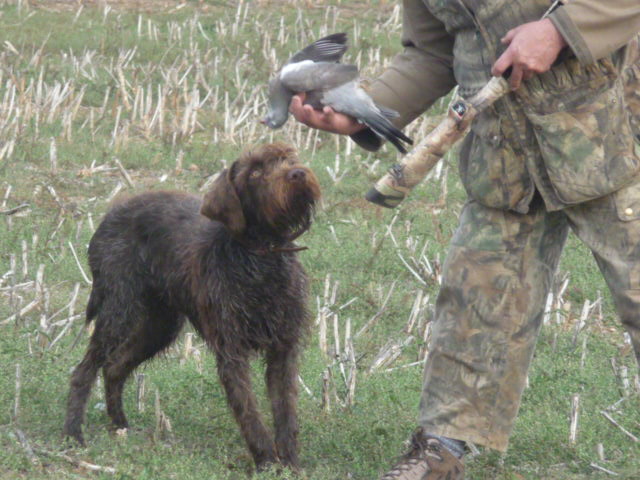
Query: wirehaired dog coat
228, 265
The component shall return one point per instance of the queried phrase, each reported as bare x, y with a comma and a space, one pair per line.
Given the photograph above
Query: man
559, 152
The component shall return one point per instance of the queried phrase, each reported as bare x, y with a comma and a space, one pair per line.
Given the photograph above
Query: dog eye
255, 173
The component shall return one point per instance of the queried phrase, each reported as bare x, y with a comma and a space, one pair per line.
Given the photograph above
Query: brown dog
228, 265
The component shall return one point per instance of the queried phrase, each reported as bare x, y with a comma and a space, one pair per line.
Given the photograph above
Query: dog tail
95, 302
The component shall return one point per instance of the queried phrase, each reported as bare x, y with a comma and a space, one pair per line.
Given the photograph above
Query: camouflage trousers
496, 278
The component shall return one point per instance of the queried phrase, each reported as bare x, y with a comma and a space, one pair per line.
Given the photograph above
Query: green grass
202, 51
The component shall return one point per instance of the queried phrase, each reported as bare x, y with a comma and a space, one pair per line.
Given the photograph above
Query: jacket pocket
587, 145
491, 171
627, 201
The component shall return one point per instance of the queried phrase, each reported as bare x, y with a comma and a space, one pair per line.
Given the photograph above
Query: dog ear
222, 203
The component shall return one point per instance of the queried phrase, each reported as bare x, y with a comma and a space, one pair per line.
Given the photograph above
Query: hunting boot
428, 459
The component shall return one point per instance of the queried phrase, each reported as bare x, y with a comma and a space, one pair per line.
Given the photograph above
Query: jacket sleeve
420, 74
595, 28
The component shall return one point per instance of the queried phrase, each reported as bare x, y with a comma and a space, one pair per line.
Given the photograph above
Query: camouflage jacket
565, 132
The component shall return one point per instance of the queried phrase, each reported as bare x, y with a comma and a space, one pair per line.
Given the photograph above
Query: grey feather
327, 49
350, 98
316, 71
318, 76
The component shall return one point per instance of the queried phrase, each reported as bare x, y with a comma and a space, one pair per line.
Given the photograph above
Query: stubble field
101, 99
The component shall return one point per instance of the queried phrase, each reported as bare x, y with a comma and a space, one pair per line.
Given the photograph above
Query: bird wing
353, 100
387, 112
306, 76
327, 49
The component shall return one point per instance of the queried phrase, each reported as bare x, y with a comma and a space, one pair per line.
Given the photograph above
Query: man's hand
533, 47
326, 119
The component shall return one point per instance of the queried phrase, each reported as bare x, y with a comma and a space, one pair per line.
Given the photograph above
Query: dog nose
296, 175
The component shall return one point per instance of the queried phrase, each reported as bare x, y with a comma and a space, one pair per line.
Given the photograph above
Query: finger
296, 105
528, 74
502, 64
298, 110
299, 98
328, 116
516, 77
302, 113
327, 110
307, 115
509, 36
308, 110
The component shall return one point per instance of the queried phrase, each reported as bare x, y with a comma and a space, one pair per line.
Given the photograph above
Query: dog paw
73, 439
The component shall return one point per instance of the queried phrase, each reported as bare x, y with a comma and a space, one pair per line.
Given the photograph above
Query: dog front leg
235, 377
282, 384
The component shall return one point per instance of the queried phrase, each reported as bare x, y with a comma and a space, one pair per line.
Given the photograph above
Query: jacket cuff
367, 139
568, 29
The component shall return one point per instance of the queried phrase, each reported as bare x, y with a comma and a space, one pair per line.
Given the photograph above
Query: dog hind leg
82, 379
156, 331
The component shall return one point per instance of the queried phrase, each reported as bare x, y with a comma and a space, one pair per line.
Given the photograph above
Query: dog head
266, 191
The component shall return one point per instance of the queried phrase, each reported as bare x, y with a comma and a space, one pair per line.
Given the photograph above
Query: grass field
105, 99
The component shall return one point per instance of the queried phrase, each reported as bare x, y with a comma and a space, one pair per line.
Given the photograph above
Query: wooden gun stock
400, 179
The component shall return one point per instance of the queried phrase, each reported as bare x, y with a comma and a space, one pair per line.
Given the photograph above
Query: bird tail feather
385, 129
387, 112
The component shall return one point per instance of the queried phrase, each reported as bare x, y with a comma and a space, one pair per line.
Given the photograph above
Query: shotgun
400, 179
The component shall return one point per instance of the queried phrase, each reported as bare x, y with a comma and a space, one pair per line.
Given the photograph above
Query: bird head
274, 119
279, 98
